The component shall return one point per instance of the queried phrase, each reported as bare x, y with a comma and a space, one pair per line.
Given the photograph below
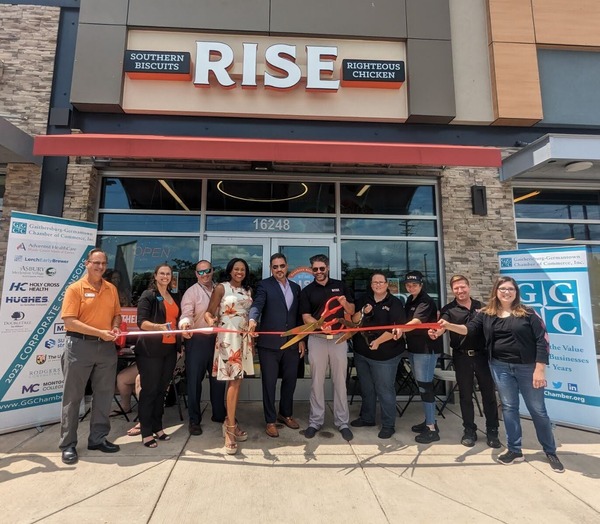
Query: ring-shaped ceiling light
303, 192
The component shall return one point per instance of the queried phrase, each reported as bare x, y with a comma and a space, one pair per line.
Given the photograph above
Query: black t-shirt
314, 296
505, 341
457, 314
386, 312
424, 308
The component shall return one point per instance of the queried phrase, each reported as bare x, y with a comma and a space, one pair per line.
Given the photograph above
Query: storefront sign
262, 76
44, 255
214, 60
158, 65
556, 284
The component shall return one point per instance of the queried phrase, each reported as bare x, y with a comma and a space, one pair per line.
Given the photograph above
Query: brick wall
27, 48
81, 192
22, 194
471, 242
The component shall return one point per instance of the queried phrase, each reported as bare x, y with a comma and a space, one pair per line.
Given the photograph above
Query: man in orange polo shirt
92, 316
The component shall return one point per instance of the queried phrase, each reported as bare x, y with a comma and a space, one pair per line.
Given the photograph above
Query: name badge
90, 295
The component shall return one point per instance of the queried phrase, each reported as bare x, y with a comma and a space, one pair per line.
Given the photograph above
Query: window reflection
278, 197
366, 199
394, 259
142, 193
135, 258
557, 203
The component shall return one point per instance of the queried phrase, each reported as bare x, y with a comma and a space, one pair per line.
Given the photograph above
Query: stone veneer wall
27, 48
81, 191
22, 194
471, 242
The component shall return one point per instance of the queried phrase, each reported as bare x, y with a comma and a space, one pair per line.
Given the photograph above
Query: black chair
405, 384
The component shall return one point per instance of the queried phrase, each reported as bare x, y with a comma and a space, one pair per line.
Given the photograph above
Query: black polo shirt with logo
457, 314
425, 309
314, 296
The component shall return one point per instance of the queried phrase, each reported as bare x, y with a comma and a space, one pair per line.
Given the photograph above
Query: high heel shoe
240, 435
231, 446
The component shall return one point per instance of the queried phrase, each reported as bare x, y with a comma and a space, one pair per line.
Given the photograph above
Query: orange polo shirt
94, 308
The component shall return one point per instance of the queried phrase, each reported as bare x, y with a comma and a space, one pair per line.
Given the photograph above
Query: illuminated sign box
383, 74
158, 65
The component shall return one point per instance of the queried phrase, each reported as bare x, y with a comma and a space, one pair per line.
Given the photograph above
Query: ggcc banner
556, 284
44, 255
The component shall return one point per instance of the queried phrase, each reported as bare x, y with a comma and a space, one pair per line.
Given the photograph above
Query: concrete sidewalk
292, 479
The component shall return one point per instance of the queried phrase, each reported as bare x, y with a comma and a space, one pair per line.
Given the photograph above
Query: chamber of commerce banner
44, 255
556, 283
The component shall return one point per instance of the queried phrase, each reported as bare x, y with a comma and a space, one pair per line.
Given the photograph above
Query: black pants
155, 375
275, 363
199, 353
466, 369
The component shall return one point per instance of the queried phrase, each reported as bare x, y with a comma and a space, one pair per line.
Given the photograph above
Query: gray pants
322, 351
82, 360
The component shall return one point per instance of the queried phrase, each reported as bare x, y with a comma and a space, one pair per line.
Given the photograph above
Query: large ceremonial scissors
303, 331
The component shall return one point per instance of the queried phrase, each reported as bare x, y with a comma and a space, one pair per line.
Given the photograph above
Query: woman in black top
155, 355
377, 355
518, 347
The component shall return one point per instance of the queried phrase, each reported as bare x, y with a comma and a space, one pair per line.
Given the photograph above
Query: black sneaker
428, 436
360, 423
386, 433
492, 439
469, 438
346, 434
419, 428
555, 463
510, 457
310, 432
195, 429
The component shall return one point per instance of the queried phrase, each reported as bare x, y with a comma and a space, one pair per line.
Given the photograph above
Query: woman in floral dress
228, 309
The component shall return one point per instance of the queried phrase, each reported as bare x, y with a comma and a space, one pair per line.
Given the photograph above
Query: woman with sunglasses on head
155, 355
518, 347
229, 308
377, 355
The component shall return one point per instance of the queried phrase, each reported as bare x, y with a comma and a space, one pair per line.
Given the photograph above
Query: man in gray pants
92, 316
322, 348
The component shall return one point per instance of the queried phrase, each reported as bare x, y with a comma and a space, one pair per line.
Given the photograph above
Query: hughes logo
215, 64
556, 302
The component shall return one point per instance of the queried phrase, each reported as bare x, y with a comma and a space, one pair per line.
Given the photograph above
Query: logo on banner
506, 262
572, 387
19, 228
18, 315
40, 359
557, 302
21, 247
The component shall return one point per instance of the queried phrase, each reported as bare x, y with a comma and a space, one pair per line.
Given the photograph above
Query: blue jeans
423, 365
377, 379
512, 379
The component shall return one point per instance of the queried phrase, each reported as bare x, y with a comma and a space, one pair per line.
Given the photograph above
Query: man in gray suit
276, 305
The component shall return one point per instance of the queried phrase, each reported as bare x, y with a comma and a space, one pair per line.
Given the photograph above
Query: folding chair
449, 375
352, 382
405, 380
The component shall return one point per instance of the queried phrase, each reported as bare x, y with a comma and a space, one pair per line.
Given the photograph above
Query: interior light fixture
301, 193
528, 195
363, 190
570, 238
574, 167
173, 194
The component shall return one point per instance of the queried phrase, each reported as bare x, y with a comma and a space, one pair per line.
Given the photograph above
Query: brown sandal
231, 448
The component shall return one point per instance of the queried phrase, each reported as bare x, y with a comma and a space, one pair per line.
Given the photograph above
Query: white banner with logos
44, 255
555, 283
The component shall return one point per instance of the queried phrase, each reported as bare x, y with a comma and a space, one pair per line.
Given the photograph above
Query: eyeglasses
280, 266
320, 269
379, 283
506, 289
202, 272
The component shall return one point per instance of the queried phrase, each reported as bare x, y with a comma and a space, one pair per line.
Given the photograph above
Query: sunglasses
280, 266
320, 269
202, 272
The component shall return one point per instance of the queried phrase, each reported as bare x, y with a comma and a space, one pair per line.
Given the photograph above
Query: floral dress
233, 352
